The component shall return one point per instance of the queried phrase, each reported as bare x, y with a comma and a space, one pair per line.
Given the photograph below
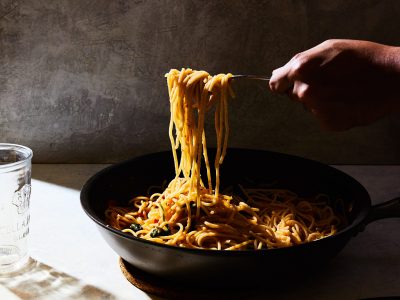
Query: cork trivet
171, 290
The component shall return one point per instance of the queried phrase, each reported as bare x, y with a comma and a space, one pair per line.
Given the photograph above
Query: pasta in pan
196, 214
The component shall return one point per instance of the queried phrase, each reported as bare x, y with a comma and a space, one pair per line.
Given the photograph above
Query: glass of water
15, 191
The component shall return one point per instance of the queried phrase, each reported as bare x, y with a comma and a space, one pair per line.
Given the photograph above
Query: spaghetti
194, 214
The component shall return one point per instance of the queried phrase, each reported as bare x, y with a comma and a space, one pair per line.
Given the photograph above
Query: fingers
303, 67
323, 103
280, 82
300, 92
329, 108
297, 71
327, 104
333, 81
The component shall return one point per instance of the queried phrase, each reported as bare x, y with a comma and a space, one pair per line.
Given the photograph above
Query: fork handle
256, 77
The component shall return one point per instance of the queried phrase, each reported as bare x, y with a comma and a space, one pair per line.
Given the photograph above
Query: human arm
344, 83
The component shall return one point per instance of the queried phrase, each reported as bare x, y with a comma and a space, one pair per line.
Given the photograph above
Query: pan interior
249, 168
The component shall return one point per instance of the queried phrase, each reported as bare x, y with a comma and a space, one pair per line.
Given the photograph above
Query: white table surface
70, 260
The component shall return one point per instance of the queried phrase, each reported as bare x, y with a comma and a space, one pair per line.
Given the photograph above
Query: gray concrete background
82, 80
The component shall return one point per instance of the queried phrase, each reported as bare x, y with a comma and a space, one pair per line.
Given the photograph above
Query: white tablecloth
72, 261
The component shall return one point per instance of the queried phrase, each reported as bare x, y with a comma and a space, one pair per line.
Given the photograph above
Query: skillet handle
388, 209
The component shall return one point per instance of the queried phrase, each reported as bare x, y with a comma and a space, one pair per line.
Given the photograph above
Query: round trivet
168, 289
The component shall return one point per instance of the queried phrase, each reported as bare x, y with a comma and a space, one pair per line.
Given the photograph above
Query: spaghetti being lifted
195, 214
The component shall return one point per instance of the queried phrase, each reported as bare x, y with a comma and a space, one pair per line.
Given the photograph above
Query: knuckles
331, 43
299, 63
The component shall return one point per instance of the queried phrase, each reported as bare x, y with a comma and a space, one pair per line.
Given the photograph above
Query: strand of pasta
280, 226
188, 213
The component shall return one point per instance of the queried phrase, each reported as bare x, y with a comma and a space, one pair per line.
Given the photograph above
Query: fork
256, 77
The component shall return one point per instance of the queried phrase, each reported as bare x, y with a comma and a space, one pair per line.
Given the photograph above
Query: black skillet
122, 181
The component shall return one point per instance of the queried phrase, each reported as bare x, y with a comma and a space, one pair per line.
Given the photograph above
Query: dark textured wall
83, 80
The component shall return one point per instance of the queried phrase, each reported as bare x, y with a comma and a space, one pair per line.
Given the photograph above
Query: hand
344, 83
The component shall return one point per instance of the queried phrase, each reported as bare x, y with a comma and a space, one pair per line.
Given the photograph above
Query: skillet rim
357, 222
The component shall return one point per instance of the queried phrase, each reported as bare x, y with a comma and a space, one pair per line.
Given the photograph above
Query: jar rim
26, 152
